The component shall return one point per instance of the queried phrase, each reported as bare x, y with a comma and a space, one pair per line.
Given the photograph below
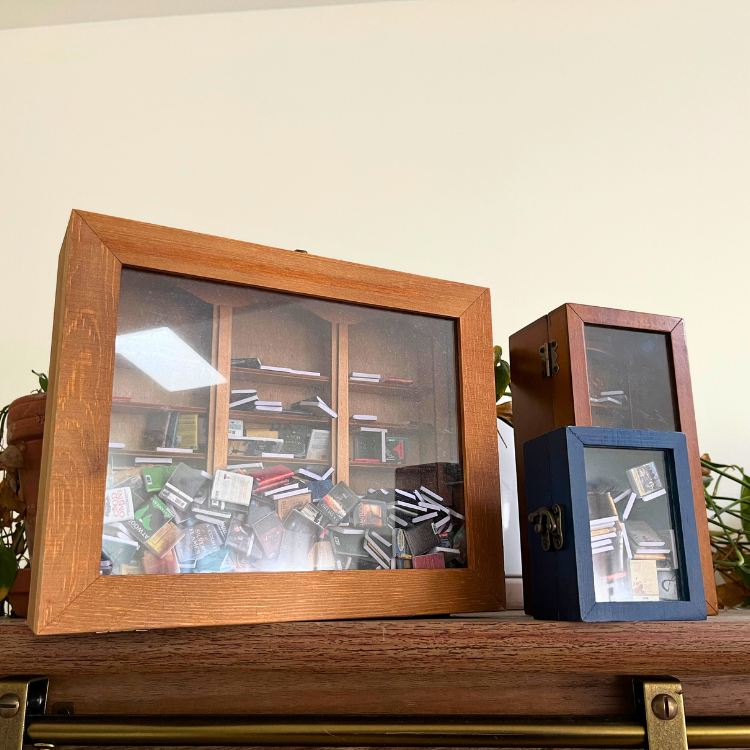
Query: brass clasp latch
548, 523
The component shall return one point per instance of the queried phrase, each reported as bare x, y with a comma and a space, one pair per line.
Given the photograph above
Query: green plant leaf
745, 504
8, 570
502, 374
43, 380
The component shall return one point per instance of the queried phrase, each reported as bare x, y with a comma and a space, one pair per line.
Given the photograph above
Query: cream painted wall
585, 151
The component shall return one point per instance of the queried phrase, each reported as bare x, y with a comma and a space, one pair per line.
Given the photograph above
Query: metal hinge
659, 702
548, 353
20, 698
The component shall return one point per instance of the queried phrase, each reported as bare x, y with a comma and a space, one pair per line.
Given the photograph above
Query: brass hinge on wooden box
548, 353
662, 726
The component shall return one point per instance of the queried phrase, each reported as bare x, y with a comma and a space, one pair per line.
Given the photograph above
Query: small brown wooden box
230, 300
562, 363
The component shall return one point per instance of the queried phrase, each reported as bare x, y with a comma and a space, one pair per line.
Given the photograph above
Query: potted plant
22, 429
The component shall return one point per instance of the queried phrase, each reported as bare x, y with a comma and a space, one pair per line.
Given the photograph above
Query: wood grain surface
484, 526
200, 255
68, 536
506, 643
70, 596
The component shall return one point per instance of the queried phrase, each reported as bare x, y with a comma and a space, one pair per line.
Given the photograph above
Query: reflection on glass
631, 380
633, 540
225, 455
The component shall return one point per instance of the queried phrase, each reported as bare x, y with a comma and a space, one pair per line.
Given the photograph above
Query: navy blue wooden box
563, 581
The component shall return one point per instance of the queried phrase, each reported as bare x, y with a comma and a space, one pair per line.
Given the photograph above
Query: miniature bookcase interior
612, 527
226, 452
631, 379
631, 518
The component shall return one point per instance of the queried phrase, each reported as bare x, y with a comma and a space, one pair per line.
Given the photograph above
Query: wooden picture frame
68, 594
542, 404
563, 579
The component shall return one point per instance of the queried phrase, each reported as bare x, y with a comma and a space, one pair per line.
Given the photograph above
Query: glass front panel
226, 452
634, 544
631, 380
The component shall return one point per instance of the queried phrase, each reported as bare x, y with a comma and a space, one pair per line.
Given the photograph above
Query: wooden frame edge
85, 308
480, 587
178, 251
479, 436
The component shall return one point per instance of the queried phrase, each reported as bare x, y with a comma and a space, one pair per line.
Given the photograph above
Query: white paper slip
597, 543
365, 417
117, 445
380, 538
365, 380
327, 409
373, 429
431, 494
174, 450
306, 372
439, 524
293, 493
328, 473
419, 519
254, 465
622, 496
275, 369
612, 393
397, 520
405, 494
268, 403
145, 460
245, 391
286, 456
285, 488
345, 530
403, 504
629, 506
241, 401
310, 474
652, 495
268, 408
454, 513
611, 535
372, 375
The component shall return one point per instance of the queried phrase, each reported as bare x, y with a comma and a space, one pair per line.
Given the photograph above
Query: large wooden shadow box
238, 433
584, 366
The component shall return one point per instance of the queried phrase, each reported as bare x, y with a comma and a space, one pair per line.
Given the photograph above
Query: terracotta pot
18, 596
26, 429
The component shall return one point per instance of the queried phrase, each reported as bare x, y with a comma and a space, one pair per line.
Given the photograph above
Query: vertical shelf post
218, 414
340, 382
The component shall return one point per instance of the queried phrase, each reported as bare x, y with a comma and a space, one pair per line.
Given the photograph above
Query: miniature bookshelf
223, 324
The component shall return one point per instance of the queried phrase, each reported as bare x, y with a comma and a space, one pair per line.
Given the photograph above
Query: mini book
269, 531
185, 486
421, 539
321, 556
239, 538
155, 477
644, 480
347, 542
338, 503
369, 443
642, 535
248, 363
243, 402
430, 561
370, 513
285, 505
272, 475
295, 550
319, 445
118, 549
118, 505
236, 428
230, 487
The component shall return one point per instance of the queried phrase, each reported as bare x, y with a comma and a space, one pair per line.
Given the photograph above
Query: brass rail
373, 732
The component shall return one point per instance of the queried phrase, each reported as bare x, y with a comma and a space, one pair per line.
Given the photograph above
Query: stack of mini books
252, 517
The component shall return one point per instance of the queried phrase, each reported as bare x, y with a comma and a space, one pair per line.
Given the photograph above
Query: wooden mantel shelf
500, 664
506, 663
507, 641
